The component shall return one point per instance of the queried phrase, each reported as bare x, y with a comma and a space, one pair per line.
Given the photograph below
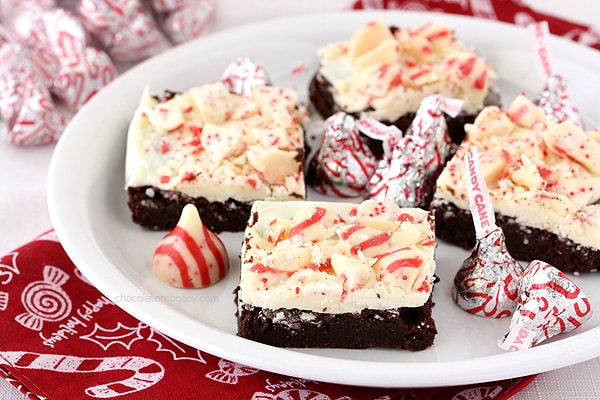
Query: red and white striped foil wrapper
126, 29
389, 135
343, 164
549, 303
430, 124
487, 282
56, 44
27, 113
401, 177
242, 75
183, 20
412, 163
553, 98
71, 46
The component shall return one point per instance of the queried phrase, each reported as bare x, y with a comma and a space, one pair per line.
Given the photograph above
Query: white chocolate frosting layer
208, 142
543, 174
385, 75
337, 257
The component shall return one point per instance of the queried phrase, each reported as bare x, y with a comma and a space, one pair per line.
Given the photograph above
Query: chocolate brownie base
159, 209
405, 328
455, 225
321, 97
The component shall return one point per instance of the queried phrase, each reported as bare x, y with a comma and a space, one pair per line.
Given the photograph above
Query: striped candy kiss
190, 256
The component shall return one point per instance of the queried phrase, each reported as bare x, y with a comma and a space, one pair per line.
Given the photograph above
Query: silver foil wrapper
407, 174
125, 29
343, 164
430, 124
183, 20
549, 303
27, 113
487, 283
554, 101
56, 45
243, 75
401, 177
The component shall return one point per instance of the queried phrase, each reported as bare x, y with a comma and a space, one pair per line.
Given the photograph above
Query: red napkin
60, 338
500, 10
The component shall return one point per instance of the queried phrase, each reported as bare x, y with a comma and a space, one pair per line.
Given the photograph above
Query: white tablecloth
24, 215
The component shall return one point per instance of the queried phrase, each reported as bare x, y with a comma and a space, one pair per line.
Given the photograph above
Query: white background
24, 215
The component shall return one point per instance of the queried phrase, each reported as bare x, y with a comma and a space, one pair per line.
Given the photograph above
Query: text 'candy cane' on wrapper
487, 282
553, 98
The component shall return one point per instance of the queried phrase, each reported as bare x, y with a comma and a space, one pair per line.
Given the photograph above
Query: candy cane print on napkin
146, 372
479, 197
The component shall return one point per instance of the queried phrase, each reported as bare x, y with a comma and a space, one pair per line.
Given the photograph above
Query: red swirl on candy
343, 164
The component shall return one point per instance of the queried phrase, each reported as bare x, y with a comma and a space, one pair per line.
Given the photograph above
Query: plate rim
535, 361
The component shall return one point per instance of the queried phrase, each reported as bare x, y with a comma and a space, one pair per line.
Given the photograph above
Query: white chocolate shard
361, 240
355, 273
439, 35
277, 103
581, 191
313, 223
278, 230
491, 121
385, 215
167, 115
569, 140
526, 114
386, 52
221, 143
402, 268
493, 165
367, 37
292, 259
524, 172
273, 165
212, 102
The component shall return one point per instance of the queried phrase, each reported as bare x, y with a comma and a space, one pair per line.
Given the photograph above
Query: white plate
88, 207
